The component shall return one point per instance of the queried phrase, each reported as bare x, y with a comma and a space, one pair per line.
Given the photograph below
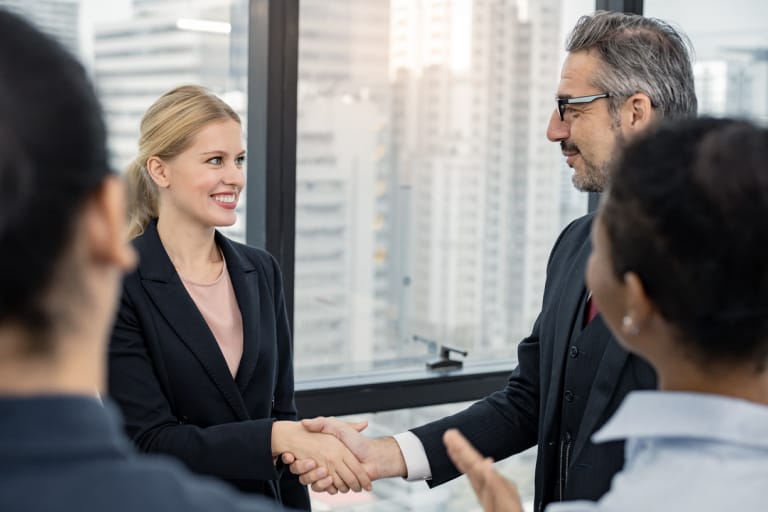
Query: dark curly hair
52, 154
687, 211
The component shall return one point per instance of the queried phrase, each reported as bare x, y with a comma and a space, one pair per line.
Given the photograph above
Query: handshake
341, 459
333, 456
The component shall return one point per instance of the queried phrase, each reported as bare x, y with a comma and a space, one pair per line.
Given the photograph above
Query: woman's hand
496, 493
343, 469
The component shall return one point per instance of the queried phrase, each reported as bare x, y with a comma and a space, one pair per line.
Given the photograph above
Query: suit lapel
244, 276
170, 297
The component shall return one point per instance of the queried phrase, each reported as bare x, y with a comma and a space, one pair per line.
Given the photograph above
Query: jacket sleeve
507, 421
502, 424
237, 450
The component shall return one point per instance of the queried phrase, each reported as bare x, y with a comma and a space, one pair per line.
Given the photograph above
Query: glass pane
137, 50
428, 197
398, 495
731, 46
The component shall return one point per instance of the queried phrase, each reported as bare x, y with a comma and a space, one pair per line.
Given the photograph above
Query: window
137, 50
448, 198
418, 119
731, 53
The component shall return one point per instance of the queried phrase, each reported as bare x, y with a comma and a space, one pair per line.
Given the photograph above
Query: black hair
52, 155
687, 211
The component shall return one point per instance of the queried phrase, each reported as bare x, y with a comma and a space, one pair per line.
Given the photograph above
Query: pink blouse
217, 303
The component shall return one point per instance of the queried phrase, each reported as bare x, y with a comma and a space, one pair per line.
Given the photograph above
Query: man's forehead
577, 73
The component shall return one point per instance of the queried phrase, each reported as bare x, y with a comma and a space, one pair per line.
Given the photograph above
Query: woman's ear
104, 222
158, 171
639, 306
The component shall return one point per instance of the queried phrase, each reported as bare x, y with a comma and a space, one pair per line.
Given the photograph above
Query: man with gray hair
623, 74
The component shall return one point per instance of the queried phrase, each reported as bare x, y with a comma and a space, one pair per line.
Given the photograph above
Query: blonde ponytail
142, 198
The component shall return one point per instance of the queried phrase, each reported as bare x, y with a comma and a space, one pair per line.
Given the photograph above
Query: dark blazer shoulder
572, 244
574, 234
154, 263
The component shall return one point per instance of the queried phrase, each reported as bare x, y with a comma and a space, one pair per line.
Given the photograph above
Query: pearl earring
629, 325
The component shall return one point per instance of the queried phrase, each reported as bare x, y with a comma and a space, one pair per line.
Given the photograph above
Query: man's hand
496, 493
380, 457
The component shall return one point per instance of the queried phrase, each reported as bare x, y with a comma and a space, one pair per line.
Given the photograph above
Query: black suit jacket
172, 383
67, 454
528, 411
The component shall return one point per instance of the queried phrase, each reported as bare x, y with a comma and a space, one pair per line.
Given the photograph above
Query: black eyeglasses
562, 102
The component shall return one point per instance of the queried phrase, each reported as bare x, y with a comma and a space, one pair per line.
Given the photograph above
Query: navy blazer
172, 383
528, 411
67, 454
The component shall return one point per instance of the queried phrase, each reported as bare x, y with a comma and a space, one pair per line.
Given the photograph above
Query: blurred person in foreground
622, 75
64, 251
678, 269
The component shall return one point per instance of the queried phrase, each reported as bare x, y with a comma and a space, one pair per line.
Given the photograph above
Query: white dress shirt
685, 452
416, 461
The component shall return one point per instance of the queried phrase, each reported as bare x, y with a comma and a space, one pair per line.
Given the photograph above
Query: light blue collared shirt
685, 452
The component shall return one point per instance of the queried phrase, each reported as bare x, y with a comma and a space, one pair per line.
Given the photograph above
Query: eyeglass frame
578, 100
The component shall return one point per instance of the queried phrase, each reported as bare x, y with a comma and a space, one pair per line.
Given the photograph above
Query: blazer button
568, 395
574, 351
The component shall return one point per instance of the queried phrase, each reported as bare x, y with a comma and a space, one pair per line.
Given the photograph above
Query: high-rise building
474, 85
342, 183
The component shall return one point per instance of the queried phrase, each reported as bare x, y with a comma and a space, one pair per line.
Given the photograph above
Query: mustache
569, 147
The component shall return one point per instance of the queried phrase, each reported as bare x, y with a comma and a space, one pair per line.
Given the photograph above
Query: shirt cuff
416, 462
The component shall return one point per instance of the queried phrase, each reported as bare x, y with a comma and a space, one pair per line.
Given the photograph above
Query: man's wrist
389, 458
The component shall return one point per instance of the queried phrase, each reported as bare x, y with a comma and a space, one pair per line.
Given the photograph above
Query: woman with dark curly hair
680, 273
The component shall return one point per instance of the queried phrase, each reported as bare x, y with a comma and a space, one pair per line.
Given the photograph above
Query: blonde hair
167, 129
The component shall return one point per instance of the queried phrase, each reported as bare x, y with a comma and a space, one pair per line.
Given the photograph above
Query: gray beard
596, 178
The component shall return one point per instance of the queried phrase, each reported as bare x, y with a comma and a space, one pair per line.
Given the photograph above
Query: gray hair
639, 54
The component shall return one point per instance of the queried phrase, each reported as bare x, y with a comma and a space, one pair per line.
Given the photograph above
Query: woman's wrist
281, 436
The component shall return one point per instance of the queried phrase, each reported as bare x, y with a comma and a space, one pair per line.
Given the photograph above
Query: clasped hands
353, 461
363, 459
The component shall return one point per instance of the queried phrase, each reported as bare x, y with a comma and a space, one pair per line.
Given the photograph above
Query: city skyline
427, 197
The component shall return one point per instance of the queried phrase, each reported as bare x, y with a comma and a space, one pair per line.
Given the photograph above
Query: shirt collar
667, 414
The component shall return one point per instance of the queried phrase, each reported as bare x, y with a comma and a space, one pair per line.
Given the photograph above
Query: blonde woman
201, 355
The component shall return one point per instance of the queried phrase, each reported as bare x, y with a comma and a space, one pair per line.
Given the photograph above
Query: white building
342, 184
474, 89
